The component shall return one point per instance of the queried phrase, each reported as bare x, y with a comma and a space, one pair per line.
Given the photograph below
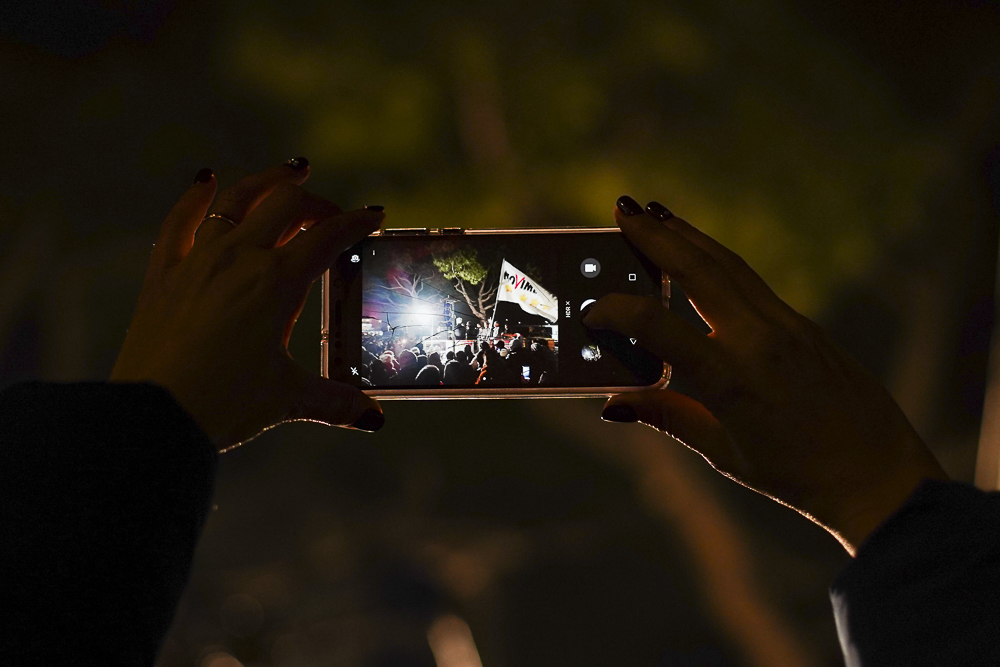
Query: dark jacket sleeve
924, 588
104, 489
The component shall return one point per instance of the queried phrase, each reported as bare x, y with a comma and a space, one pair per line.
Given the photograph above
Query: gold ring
220, 217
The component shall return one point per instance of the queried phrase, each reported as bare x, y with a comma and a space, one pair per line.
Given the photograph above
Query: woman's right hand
776, 406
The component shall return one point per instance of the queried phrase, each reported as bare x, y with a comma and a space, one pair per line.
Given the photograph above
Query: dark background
845, 149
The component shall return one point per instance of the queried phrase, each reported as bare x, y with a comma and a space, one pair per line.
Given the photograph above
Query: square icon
631, 277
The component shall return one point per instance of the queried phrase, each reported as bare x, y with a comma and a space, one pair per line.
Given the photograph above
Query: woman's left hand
215, 314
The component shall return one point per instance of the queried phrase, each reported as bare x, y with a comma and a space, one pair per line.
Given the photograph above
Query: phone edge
499, 393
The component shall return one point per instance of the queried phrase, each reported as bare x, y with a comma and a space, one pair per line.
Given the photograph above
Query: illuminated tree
470, 278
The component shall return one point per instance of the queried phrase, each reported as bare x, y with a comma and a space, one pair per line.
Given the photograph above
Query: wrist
853, 523
185, 398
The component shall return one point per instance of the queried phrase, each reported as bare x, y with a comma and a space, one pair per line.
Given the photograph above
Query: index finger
743, 277
237, 201
698, 272
314, 250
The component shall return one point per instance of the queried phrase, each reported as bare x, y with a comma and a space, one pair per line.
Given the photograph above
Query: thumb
334, 403
679, 416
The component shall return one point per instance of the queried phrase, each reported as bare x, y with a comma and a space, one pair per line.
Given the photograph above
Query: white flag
518, 288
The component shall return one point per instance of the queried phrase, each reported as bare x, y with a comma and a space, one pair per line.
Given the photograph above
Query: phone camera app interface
494, 311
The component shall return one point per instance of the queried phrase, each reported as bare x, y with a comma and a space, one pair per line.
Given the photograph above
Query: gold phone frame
475, 392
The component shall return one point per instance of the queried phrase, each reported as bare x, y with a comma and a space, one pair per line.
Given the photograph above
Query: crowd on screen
512, 362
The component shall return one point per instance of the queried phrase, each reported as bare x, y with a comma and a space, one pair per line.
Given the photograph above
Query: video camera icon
590, 267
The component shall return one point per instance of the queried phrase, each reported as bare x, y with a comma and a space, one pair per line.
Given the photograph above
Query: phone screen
498, 310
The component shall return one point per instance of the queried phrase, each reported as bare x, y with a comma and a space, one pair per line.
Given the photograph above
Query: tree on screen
470, 278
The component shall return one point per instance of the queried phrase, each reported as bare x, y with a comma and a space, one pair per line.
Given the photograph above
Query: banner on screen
517, 287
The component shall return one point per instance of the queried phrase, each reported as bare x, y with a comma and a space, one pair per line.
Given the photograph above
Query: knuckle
264, 268
225, 256
288, 192
780, 349
232, 200
693, 263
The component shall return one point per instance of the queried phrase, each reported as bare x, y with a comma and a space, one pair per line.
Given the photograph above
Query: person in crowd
539, 362
480, 359
493, 369
434, 359
390, 361
408, 368
106, 486
428, 375
452, 374
518, 357
377, 373
466, 373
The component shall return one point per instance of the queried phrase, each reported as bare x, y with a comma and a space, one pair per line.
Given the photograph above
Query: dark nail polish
374, 207
203, 176
371, 420
585, 310
659, 211
297, 163
628, 206
621, 413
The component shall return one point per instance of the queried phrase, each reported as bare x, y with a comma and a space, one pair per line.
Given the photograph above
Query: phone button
406, 230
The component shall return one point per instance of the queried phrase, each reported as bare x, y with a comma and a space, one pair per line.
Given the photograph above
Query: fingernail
203, 176
585, 310
620, 413
628, 206
297, 163
371, 420
374, 207
659, 211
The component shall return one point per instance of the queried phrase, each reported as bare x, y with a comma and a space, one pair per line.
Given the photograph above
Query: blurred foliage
463, 264
748, 122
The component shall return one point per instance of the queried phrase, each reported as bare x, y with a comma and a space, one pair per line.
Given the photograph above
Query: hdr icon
568, 311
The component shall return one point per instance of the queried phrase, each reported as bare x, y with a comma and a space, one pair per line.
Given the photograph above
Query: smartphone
487, 313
